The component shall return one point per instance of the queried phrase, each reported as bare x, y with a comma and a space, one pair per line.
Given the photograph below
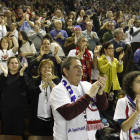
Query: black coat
34, 92
13, 90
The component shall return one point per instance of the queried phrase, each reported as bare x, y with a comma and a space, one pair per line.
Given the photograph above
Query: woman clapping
110, 66
41, 122
13, 85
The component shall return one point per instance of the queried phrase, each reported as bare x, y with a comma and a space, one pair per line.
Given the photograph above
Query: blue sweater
116, 45
137, 56
54, 33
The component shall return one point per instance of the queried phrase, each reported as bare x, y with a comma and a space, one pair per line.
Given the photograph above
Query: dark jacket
34, 92
13, 90
50, 56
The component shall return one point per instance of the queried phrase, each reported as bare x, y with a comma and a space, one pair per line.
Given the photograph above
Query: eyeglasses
110, 48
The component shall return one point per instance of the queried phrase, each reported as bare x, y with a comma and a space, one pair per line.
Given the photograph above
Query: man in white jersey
75, 103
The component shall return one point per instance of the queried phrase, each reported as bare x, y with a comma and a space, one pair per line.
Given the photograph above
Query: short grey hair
66, 63
79, 38
116, 31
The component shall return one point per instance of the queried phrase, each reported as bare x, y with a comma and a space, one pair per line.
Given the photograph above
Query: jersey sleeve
120, 109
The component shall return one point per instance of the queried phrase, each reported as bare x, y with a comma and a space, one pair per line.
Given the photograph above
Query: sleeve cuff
100, 95
40, 86
120, 63
87, 97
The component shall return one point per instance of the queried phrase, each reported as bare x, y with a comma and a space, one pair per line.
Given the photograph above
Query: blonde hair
44, 62
105, 25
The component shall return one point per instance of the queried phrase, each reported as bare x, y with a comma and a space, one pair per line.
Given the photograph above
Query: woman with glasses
110, 66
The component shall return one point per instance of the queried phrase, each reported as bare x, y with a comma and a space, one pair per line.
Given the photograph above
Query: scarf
134, 131
85, 125
86, 64
44, 109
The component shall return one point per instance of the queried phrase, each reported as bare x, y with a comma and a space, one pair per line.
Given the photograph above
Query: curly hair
127, 84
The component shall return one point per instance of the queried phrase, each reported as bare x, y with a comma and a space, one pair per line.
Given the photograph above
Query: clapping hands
121, 56
56, 50
23, 69
5, 71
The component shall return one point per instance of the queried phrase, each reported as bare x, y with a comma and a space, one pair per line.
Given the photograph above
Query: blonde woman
41, 122
103, 30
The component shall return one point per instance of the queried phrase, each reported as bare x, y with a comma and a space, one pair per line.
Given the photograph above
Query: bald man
58, 34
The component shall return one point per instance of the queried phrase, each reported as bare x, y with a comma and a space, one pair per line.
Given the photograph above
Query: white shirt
3, 31
73, 53
136, 38
27, 48
4, 55
60, 50
44, 108
59, 97
120, 114
79, 19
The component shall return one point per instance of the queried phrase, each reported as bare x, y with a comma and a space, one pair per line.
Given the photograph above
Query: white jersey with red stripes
124, 109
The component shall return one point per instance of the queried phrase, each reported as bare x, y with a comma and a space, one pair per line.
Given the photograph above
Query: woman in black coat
41, 121
13, 86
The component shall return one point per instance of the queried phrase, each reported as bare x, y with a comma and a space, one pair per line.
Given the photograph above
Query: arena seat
40, 138
10, 137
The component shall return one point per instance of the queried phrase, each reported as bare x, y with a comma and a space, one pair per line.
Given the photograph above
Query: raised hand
56, 50
5, 71
97, 50
13, 33
49, 77
36, 28
23, 69
102, 83
59, 35
42, 51
94, 89
138, 103
93, 35
23, 54
119, 49
121, 56
83, 47
2, 22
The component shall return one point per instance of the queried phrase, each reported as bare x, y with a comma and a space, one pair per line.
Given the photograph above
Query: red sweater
70, 111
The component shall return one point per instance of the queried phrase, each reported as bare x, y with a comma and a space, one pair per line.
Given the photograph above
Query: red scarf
86, 64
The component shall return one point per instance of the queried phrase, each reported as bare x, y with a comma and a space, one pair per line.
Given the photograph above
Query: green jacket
107, 36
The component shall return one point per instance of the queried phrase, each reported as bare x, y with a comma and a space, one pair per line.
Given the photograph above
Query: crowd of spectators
103, 34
